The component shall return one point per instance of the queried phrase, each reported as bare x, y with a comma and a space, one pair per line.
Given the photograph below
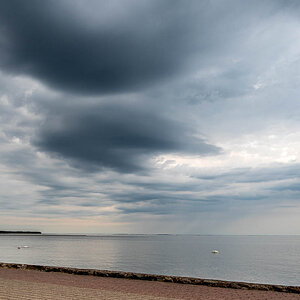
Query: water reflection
271, 259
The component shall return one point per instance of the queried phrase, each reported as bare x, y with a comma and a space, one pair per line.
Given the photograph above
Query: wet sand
33, 284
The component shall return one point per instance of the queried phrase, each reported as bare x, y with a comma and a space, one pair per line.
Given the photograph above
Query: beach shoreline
153, 278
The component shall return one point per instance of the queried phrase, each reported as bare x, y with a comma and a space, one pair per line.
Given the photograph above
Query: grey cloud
173, 205
159, 198
53, 42
168, 186
93, 47
288, 187
273, 172
119, 137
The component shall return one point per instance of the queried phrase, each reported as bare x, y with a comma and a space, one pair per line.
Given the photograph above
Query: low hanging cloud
119, 137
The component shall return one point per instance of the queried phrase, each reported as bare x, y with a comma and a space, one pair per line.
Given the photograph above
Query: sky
150, 116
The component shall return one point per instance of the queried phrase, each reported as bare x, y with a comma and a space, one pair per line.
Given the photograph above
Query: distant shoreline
19, 232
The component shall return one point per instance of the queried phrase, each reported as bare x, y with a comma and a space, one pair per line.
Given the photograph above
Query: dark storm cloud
90, 47
116, 136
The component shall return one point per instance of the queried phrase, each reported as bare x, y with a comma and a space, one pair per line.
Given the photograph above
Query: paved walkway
26, 284
18, 289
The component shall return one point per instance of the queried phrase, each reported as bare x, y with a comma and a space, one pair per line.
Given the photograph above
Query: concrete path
19, 289
26, 284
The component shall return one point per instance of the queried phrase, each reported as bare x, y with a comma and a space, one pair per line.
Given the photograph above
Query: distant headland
19, 232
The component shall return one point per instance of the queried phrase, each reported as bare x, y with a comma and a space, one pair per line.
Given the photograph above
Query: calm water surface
264, 259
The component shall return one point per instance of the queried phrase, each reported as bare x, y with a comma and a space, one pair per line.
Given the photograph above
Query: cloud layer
150, 116
121, 137
114, 51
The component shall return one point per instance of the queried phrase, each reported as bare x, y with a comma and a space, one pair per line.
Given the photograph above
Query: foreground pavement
31, 284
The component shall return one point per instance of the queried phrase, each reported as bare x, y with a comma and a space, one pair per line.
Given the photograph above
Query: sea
259, 259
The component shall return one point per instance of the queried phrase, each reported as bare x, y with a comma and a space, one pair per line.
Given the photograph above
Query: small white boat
215, 252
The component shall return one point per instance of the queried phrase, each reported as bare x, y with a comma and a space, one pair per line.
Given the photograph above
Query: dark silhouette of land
19, 232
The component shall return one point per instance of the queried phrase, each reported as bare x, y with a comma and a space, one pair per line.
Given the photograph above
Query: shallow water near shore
261, 259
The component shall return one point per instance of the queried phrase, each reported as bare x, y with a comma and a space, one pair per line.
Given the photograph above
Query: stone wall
162, 278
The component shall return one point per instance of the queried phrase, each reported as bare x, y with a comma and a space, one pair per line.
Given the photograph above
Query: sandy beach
33, 284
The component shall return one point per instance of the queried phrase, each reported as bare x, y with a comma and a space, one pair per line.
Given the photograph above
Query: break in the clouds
150, 116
